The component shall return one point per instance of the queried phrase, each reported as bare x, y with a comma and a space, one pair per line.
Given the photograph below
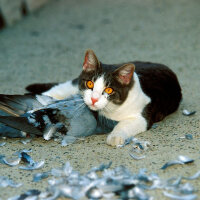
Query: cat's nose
94, 100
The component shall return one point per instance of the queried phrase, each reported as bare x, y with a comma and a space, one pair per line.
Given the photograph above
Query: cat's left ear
91, 63
124, 74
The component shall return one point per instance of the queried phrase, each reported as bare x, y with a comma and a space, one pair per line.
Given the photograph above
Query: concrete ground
49, 46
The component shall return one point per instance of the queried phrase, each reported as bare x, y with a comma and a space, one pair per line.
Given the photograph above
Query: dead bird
44, 116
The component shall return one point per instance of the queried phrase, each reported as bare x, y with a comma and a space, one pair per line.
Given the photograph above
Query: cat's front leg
125, 129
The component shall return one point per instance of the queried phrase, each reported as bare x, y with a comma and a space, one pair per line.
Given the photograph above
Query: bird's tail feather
17, 105
20, 123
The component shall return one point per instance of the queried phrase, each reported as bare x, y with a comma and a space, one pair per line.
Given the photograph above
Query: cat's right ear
124, 74
91, 63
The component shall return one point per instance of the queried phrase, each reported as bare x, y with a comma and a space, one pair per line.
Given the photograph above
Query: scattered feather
1, 159
39, 176
185, 159
181, 160
186, 188
25, 141
67, 140
179, 197
28, 195
195, 176
189, 136
94, 193
26, 158
12, 161
154, 126
101, 182
5, 182
34, 166
138, 193
48, 134
23, 134
139, 146
188, 113
170, 163
136, 157
2, 144
102, 167
18, 153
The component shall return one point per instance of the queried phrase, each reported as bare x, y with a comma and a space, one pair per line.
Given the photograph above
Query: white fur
62, 91
125, 129
96, 93
129, 115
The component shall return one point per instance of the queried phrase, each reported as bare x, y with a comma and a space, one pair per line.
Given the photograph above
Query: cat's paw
114, 139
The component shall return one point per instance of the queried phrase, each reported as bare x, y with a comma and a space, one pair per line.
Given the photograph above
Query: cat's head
102, 84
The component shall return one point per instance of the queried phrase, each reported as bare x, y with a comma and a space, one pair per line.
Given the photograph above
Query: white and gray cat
135, 94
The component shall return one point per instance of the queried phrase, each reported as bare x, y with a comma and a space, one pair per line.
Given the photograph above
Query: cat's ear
91, 62
124, 74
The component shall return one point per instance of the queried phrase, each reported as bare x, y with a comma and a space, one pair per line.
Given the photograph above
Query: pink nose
94, 100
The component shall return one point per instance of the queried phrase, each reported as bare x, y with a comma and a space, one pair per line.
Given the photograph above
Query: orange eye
90, 84
109, 90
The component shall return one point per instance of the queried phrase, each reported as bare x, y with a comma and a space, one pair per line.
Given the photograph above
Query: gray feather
18, 104
20, 123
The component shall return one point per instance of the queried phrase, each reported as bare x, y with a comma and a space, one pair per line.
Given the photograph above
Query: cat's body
136, 94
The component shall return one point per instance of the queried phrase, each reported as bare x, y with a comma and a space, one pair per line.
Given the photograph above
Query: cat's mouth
93, 107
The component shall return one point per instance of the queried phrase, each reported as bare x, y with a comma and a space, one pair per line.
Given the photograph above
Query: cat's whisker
107, 109
78, 109
80, 100
103, 124
103, 119
77, 100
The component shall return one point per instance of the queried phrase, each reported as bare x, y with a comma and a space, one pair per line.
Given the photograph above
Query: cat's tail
17, 105
39, 88
21, 124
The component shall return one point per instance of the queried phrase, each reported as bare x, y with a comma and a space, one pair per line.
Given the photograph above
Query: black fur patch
39, 88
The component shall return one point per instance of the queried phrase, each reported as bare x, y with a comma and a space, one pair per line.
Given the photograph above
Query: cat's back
155, 76
156, 70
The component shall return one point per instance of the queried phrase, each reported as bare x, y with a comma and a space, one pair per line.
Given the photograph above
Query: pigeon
40, 115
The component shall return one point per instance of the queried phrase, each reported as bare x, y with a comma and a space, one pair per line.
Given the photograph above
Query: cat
135, 94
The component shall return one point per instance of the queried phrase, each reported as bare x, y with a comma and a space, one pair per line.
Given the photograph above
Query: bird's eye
109, 90
89, 84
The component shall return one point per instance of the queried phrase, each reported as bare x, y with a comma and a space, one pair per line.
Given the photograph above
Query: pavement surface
49, 45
